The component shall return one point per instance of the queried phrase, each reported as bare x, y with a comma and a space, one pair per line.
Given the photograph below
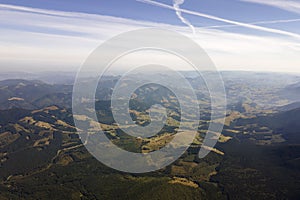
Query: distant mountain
285, 123
291, 92
290, 106
47, 77
288, 120
294, 86
59, 99
33, 94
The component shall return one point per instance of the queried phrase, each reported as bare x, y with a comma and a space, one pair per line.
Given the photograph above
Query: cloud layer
39, 39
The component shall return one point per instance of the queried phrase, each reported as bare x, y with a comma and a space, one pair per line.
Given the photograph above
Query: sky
251, 35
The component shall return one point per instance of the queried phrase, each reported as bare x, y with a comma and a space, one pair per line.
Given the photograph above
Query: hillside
32, 94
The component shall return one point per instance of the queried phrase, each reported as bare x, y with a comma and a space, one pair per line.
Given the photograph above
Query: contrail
259, 22
176, 4
251, 26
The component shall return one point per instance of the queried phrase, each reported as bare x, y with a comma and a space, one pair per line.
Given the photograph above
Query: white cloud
289, 5
39, 39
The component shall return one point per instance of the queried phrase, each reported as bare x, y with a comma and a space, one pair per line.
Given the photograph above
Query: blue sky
61, 33
229, 9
